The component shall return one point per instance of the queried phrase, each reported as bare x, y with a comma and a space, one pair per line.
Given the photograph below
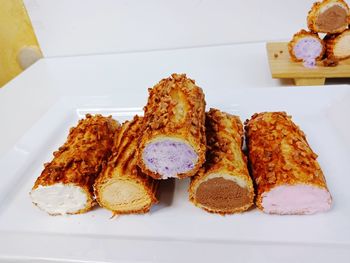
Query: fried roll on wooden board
223, 185
65, 186
329, 16
306, 47
338, 45
173, 141
121, 187
287, 175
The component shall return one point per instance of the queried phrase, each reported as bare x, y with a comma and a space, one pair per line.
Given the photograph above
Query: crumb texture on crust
121, 187
80, 159
306, 46
329, 16
279, 154
223, 184
175, 110
338, 45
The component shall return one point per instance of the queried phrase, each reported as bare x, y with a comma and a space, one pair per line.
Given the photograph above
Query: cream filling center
59, 198
342, 48
124, 195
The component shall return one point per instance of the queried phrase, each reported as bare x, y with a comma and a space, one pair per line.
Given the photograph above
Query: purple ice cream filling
308, 49
169, 157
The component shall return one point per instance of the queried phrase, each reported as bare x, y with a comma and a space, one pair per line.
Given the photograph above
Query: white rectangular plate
175, 230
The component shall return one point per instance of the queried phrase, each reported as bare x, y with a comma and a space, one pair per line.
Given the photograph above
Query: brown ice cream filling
332, 19
221, 194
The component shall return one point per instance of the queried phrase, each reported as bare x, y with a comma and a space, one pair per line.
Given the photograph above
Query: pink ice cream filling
308, 49
296, 199
169, 157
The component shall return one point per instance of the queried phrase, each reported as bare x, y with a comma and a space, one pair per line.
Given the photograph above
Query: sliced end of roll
295, 200
124, 196
222, 193
306, 47
329, 16
339, 46
60, 199
169, 157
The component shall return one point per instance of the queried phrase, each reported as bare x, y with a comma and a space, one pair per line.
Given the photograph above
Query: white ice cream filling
59, 198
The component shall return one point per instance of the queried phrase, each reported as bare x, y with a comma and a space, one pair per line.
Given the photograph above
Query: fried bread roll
287, 175
223, 185
121, 187
65, 184
173, 141
338, 45
306, 47
329, 16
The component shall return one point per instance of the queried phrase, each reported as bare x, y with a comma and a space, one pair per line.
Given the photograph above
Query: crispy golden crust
298, 36
319, 8
279, 154
332, 41
122, 165
224, 155
175, 108
80, 159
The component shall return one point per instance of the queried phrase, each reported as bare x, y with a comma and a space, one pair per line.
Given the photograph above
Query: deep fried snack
173, 141
329, 16
306, 47
330, 62
121, 187
338, 45
223, 185
65, 186
287, 175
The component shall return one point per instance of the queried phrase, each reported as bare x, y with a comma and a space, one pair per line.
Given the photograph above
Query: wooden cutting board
282, 67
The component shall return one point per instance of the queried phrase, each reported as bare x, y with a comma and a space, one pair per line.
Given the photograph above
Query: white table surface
24, 100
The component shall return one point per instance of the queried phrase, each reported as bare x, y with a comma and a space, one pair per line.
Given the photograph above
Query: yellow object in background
19, 47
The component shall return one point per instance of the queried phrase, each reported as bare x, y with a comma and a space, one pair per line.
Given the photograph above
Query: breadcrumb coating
279, 154
79, 161
224, 156
176, 110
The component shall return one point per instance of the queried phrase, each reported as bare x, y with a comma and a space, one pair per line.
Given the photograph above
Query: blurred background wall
74, 27
85, 27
